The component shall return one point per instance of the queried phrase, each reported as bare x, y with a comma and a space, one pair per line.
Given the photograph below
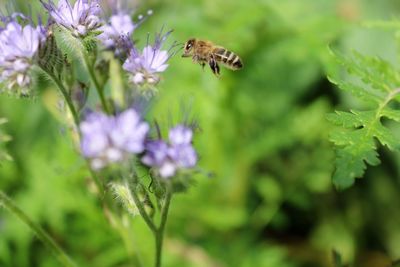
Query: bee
205, 52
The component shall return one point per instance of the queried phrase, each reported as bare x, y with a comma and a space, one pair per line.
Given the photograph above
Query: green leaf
391, 114
345, 119
358, 91
377, 83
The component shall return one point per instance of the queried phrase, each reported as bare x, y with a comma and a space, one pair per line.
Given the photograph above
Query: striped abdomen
228, 58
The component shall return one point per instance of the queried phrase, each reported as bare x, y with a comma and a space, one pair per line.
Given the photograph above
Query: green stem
96, 83
143, 212
71, 107
96, 179
66, 96
40, 233
125, 236
159, 235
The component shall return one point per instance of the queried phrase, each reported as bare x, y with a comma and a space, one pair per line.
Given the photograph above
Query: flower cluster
106, 140
19, 46
109, 139
80, 19
168, 158
83, 17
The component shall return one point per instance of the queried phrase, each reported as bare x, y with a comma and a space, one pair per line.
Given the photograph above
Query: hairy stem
100, 91
66, 96
159, 234
40, 233
125, 234
74, 113
143, 212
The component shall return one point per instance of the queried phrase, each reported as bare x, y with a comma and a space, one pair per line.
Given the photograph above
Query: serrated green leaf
359, 92
356, 139
391, 114
386, 137
377, 72
372, 71
345, 119
351, 164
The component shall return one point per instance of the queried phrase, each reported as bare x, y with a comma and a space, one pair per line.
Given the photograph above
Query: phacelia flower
80, 19
116, 34
107, 139
143, 68
168, 158
19, 46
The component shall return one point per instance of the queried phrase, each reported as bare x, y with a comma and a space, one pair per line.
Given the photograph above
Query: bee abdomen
228, 58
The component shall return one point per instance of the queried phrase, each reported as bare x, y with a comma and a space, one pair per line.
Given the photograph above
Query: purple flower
156, 153
80, 19
129, 132
108, 139
180, 135
18, 47
169, 158
120, 27
143, 68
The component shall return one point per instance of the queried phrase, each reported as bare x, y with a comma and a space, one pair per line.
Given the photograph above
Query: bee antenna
173, 53
175, 45
174, 49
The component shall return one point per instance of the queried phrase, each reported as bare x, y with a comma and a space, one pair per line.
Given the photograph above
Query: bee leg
202, 64
214, 66
195, 59
217, 68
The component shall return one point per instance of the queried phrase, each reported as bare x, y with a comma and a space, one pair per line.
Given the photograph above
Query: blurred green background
270, 201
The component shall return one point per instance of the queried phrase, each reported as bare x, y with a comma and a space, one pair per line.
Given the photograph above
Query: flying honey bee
205, 52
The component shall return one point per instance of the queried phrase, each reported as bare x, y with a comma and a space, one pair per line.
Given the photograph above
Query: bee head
188, 47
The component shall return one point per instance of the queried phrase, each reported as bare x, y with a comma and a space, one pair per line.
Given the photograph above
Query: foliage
356, 142
264, 145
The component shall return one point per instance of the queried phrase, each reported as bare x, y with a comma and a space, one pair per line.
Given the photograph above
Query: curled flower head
143, 67
19, 46
168, 158
106, 139
80, 19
